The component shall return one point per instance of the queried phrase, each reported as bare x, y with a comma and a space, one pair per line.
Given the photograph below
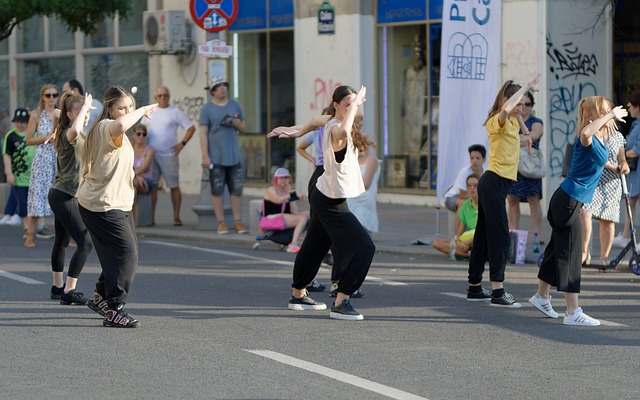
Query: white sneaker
620, 241
4, 219
14, 220
580, 318
543, 305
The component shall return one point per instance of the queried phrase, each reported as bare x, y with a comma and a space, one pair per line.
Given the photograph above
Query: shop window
101, 71
263, 84
103, 36
31, 35
131, 28
32, 74
59, 36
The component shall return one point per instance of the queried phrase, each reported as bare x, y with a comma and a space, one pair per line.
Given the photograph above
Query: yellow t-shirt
504, 147
109, 184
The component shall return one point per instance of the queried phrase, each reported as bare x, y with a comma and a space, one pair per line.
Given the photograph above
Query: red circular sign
214, 15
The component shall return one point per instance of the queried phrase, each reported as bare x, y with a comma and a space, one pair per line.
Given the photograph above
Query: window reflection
102, 71
32, 74
59, 36
31, 35
131, 28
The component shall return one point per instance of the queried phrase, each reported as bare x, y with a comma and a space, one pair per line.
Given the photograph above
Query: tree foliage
82, 15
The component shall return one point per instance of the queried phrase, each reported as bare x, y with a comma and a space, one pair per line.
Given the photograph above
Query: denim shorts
232, 176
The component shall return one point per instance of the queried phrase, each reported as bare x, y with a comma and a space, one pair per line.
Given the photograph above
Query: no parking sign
214, 15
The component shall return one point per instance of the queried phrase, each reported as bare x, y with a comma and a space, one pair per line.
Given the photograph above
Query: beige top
109, 184
339, 180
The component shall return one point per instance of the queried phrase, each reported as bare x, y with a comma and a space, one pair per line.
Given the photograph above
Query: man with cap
163, 139
17, 157
221, 122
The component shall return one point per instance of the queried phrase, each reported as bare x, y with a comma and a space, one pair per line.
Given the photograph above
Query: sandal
586, 258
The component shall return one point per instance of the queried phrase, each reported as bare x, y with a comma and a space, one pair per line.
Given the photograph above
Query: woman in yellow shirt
491, 240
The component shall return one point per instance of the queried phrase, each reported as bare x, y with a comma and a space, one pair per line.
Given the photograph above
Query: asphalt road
215, 325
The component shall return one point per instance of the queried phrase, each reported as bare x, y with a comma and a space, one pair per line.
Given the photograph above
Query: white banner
469, 68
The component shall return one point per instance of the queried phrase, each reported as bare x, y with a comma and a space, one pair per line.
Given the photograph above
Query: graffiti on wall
568, 61
322, 93
191, 106
574, 73
563, 111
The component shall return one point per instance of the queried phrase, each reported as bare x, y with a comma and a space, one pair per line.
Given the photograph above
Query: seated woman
279, 195
142, 165
468, 214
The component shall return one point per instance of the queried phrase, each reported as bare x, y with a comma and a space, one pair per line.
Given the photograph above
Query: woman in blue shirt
561, 266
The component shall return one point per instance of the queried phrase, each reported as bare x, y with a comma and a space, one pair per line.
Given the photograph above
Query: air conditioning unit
164, 31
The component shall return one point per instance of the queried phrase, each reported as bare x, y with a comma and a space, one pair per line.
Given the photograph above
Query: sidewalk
400, 227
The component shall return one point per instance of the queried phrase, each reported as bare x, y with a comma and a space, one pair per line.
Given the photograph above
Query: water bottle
453, 246
536, 244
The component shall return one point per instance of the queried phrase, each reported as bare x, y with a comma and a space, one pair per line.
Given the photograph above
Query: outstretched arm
618, 113
78, 123
297, 131
513, 101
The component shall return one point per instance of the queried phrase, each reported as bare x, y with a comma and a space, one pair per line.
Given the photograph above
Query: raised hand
533, 83
619, 113
360, 97
150, 109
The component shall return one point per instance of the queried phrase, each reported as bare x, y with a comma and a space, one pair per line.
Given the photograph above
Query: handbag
531, 165
273, 222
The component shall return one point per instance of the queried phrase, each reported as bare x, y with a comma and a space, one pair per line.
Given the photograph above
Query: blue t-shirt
223, 143
587, 165
315, 137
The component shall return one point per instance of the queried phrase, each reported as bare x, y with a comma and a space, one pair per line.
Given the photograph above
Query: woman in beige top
106, 196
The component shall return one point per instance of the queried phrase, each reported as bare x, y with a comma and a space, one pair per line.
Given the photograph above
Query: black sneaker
56, 292
98, 304
483, 295
506, 300
345, 311
305, 303
117, 318
73, 297
328, 259
316, 286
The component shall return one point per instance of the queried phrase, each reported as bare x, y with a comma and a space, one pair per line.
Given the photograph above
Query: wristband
184, 143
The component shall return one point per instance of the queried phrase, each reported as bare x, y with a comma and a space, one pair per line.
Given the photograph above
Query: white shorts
168, 167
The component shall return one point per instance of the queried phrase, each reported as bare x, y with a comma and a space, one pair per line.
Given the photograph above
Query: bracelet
184, 143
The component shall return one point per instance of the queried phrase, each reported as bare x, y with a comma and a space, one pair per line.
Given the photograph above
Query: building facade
289, 55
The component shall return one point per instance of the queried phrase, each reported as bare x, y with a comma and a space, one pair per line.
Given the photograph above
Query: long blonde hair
67, 103
112, 95
601, 105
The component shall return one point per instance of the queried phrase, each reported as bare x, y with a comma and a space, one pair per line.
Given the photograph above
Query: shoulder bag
532, 165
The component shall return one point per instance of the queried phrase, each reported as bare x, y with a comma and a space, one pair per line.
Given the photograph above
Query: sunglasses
528, 104
141, 133
51, 95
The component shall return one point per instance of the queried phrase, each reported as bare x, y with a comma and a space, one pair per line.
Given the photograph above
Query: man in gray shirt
221, 122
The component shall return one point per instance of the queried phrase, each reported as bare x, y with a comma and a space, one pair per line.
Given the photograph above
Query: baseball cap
21, 115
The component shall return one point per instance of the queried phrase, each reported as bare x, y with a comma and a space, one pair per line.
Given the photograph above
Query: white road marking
19, 278
464, 296
261, 259
339, 376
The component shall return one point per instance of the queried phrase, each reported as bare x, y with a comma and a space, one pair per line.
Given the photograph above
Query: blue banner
251, 15
280, 13
402, 10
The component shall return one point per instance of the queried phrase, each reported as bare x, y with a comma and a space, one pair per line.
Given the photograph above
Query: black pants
335, 268
68, 224
333, 226
562, 262
114, 238
491, 241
